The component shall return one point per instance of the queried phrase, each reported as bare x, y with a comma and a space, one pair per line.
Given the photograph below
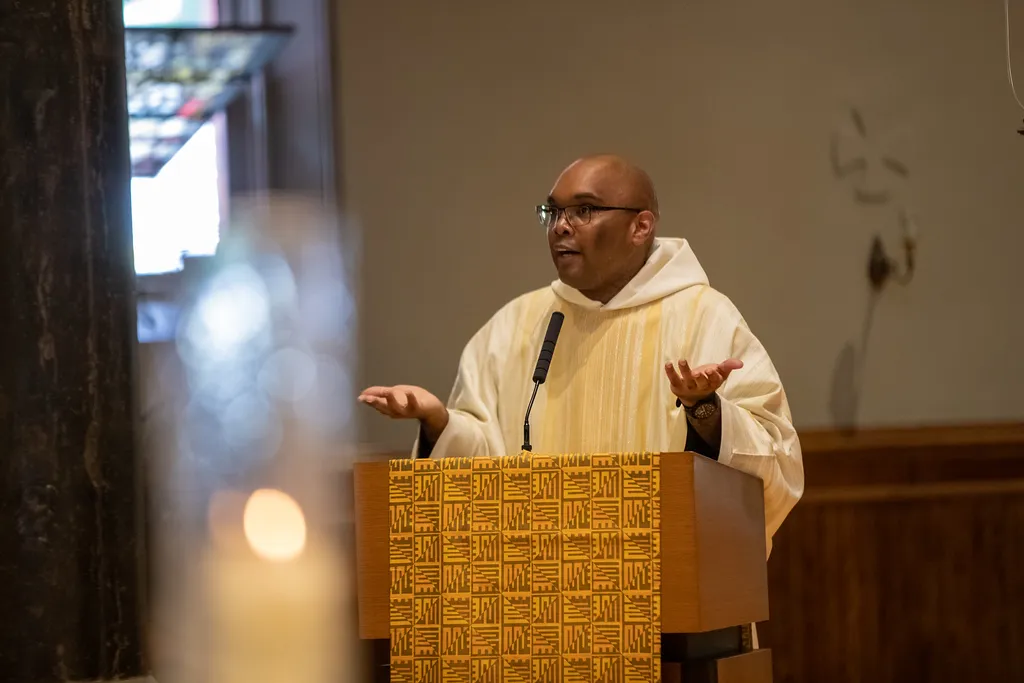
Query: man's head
601, 217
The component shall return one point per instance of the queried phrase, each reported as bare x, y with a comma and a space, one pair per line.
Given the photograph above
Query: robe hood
671, 267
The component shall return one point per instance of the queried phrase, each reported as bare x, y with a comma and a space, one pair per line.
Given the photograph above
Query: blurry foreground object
251, 579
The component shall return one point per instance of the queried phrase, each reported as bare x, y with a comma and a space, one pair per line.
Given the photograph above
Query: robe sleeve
473, 428
758, 436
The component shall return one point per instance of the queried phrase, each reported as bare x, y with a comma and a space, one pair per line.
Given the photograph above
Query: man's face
593, 249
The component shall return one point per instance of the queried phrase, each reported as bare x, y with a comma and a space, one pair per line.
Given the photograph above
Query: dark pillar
69, 532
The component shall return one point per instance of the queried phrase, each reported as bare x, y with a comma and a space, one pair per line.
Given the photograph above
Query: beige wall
456, 117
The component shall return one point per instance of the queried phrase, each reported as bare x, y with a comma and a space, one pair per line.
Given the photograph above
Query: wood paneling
904, 561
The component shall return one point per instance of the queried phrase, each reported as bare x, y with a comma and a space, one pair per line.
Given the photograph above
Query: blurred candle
272, 594
253, 576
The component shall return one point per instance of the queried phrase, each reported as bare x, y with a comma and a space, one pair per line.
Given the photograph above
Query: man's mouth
565, 251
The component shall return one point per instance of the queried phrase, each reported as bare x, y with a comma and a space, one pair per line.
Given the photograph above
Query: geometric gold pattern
526, 568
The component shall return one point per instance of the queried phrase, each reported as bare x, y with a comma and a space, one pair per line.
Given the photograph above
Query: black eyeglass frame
552, 210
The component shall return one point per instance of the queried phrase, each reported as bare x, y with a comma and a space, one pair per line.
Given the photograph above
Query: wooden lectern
628, 567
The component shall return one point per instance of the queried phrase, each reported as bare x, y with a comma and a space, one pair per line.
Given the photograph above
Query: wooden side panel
680, 594
749, 667
731, 563
713, 546
373, 572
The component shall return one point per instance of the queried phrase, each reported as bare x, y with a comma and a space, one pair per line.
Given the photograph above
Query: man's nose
561, 226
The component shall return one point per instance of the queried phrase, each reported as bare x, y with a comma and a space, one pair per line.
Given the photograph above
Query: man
650, 357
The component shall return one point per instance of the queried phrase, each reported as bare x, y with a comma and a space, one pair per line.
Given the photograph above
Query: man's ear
643, 227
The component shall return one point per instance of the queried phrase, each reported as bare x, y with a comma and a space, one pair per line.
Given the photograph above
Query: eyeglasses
576, 216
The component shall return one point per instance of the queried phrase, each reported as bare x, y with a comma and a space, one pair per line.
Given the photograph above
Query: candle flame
274, 525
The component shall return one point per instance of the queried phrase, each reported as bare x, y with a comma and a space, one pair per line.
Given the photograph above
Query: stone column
70, 531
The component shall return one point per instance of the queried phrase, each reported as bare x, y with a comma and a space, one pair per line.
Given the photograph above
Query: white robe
606, 390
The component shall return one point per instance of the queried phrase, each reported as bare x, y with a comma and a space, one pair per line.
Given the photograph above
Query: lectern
535, 568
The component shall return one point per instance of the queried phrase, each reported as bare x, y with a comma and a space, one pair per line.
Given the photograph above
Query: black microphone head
554, 326
547, 349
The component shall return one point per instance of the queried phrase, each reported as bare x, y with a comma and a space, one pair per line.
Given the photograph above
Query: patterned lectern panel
526, 568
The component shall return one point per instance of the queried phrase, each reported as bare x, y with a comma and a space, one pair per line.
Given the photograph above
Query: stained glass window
177, 211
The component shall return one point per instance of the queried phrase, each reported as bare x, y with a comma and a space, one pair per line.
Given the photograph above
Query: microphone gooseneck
526, 422
540, 373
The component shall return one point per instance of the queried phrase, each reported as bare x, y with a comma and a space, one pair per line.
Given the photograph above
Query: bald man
650, 357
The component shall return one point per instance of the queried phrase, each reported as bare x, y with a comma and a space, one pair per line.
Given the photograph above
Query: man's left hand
694, 385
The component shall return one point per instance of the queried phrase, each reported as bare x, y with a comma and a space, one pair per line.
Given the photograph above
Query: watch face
704, 410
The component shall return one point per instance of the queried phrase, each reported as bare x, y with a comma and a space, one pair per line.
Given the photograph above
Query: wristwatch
703, 409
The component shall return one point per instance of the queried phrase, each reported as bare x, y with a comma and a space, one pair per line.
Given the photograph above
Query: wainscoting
904, 561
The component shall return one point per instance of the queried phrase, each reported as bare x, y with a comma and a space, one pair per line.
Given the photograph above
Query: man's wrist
705, 421
434, 425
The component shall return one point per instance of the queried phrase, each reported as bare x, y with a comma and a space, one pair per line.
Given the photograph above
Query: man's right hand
411, 403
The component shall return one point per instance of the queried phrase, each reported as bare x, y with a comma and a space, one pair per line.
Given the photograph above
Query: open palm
693, 385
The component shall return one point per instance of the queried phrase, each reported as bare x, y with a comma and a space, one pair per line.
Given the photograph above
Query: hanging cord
1009, 63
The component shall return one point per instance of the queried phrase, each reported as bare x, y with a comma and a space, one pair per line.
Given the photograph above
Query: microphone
540, 374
